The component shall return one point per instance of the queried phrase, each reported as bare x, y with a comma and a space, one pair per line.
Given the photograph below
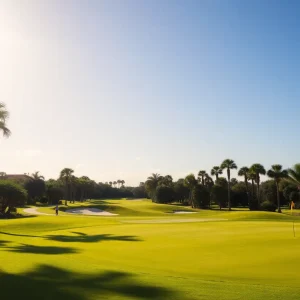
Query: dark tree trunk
229, 200
278, 197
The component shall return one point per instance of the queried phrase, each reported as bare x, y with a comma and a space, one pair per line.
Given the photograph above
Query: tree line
207, 190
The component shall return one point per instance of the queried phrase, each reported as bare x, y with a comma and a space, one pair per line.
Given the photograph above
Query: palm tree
66, 177
122, 182
152, 183
202, 174
110, 183
294, 175
114, 183
228, 164
216, 171
118, 182
36, 176
252, 176
190, 182
277, 174
4, 115
258, 169
244, 172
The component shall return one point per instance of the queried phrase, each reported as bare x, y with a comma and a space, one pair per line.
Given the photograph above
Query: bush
44, 200
268, 206
11, 196
200, 196
164, 194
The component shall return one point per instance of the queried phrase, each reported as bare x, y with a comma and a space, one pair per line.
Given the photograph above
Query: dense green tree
4, 115
151, 185
216, 171
201, 197
167, 180
164, 194
66, 177
222, 181
54, 191
239, 195
219, 195
258, 170
277, 173
201, 176
228, 165
243, 172
190, 182
294, 174
181, 191
35, 188
12, 195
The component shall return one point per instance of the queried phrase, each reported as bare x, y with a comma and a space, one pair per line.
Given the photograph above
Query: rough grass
252, 255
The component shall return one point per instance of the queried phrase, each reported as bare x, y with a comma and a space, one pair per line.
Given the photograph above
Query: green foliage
216, 171
181, 191
294, 174
36, 188
4, 115
219, 195
268, 206
201, 197
12, 195
268, 191
222, 181
239, 196
164, 194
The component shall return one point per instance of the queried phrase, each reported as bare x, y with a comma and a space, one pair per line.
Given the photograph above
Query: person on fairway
56, 209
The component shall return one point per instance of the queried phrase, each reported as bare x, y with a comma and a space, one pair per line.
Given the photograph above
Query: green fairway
148, 252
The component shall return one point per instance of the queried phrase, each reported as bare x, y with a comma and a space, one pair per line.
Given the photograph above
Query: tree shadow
3, 243
47, 283
17, 234
84, 238
50, 250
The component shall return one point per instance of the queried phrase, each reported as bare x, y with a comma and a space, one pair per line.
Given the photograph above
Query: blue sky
120, 89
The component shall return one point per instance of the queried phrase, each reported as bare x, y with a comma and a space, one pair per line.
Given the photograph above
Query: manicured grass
250, 255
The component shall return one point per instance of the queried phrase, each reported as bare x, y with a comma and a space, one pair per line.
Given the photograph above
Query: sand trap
90, 211
33, 211
183, 212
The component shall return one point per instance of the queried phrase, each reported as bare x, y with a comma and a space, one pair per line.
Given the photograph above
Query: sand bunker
89, 211
33, 211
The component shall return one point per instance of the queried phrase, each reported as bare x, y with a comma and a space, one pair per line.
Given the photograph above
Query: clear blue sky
120, 89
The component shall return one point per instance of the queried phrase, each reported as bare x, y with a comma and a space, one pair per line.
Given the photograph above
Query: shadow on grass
3, 243
84, 238
50, 250
47, 283
81, 237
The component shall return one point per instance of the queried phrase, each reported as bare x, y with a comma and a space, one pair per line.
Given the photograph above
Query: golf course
146, 250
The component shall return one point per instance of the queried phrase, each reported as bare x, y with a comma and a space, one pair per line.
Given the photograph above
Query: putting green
146, 252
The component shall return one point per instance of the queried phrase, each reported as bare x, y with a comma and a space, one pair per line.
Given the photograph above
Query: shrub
164, 194
200, 196
11, 196
268, 206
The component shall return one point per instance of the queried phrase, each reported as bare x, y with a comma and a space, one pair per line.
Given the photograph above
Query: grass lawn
146, 252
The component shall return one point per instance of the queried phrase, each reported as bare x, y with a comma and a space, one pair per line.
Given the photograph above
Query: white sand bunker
89, 211
183, 212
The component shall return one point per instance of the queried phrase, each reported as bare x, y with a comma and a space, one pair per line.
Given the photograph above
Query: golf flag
292, 205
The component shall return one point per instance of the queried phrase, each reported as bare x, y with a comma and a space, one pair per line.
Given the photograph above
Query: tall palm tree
110, 183
244, 172
66, 176
190, 182
152, 183
36, 176
228, 164
122, 182
252, 176
114, 183
258, 169
216, 171
277, 173
202, 174
294, 175
4, 115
